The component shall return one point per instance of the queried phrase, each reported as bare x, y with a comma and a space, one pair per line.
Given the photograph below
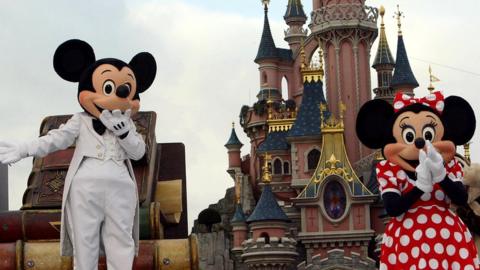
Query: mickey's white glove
424, 179
12, 152
435, 164
117, 122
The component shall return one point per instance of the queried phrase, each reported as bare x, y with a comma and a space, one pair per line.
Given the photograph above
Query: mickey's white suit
100, 193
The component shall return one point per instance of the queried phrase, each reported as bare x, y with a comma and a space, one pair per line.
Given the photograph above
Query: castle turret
383, 64
403, 78
346, 30
269, 246
295, 18
233, 145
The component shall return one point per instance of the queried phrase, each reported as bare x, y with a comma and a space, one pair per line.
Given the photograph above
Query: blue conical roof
267, 47
233, 140
267, 208
402, 75
238, 216
308, 117
294, 9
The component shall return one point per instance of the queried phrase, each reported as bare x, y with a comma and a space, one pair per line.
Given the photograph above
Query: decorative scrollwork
349, 11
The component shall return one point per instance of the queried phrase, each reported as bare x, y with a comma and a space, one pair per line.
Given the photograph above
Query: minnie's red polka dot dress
429, 235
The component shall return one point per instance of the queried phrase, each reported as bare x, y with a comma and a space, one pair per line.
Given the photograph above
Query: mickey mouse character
420, 178
100, 193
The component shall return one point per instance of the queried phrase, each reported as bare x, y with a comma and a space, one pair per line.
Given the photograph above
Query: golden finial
233, 124
302, 54
265, 3
382, 13
432, 79
238, 188
399, 15
266, 177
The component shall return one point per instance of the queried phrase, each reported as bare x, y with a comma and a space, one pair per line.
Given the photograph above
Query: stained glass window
334, 199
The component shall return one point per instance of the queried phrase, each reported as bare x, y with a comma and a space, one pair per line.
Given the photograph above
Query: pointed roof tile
233, 140
267, 47
238, 216
267, 208
402, 75
294, 9
384, 56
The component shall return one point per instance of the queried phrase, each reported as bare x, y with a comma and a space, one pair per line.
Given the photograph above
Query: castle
305, 196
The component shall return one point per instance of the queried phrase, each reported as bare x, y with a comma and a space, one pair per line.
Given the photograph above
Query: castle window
286, 167
277, 166
312, 159
266, 236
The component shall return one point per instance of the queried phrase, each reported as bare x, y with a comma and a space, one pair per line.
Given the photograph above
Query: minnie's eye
408, 135
108, 87
428, 133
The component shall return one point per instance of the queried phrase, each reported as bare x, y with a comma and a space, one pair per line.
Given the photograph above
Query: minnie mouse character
419, 179
100, 192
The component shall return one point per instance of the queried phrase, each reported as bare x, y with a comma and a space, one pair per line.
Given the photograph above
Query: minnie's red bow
434, 100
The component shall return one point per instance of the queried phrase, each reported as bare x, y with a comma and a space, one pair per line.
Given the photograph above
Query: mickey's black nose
123, 91
419, 143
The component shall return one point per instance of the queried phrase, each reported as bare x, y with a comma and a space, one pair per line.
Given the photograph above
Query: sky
204, 52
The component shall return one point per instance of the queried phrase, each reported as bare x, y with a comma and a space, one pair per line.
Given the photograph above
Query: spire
403, 75
384, 56
267, 207
233, 140
267, 49
295, 11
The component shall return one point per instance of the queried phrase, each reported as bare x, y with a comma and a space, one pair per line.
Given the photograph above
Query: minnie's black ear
145, 69
374, 123
458, 119
71, 58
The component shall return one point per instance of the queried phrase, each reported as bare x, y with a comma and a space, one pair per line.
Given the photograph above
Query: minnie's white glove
424, 179
435, 164
12, 152
117, 122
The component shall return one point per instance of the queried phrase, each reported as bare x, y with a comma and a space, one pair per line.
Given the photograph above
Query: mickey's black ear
458, 119
145, 69
71, 58
374, 123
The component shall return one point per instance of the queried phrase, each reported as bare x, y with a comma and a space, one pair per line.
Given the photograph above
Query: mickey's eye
408, 135
428, 133
108, 87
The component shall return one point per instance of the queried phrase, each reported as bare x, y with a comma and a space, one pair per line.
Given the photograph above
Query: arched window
312, 159
264, 77
286, 167
284, 88
266, 236
277, 166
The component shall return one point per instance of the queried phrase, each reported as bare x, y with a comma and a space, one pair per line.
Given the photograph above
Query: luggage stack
29, 238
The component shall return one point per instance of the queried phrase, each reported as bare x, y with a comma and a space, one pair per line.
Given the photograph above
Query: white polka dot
397, 232
439, 106
413, 267
382, 182
383, 162
451, 176
439, 195
398, 105
451, 163
422, 219
445, 233
463, 253
431, 97
408, 223
388, 241
406, 97
449, 220
400, 218
476, 261
426, 104
468, 236
455, 266
401, 174
392, 258
426, 196
436, 218
403, 257
459, 175
390, 226
425, 248
431, 233
445, 264
469, 267
404, 240
458, 236
413, 210
389, 173
433, 263
450, 250
417, 234
415, 252
422, 263
383, 266
438, 248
